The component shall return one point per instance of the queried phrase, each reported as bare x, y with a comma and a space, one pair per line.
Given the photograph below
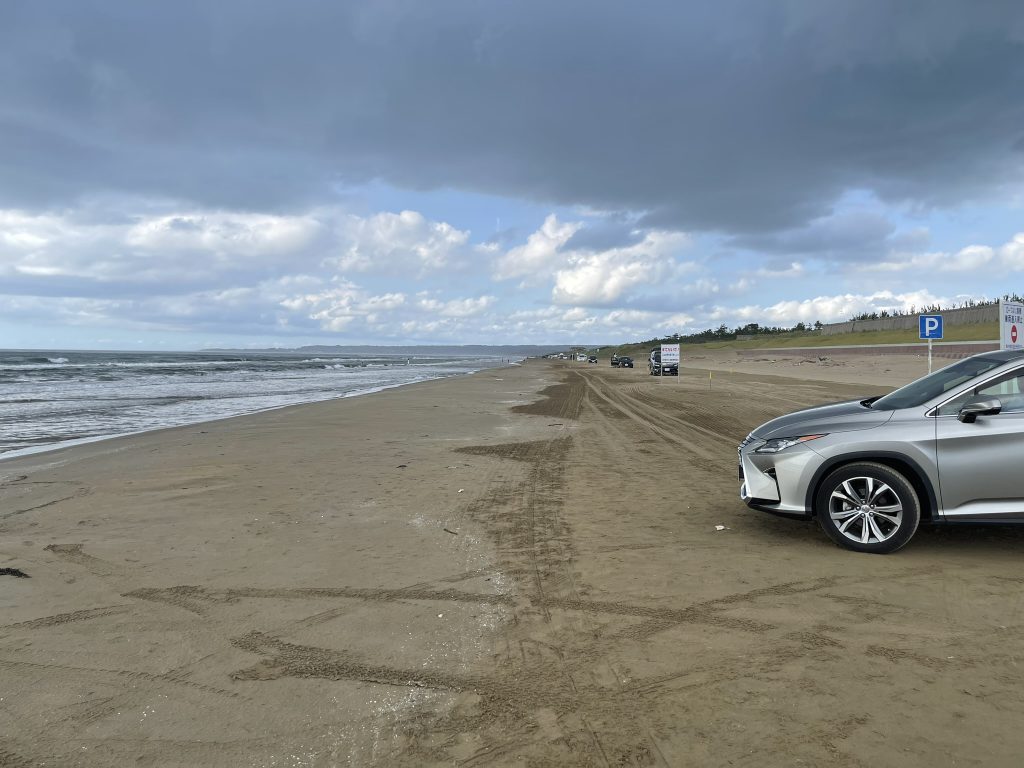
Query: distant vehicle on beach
944, 449
625, 362
592, 359
655, 367
615, 361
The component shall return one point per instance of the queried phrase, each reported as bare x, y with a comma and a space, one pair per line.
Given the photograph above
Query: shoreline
75, 442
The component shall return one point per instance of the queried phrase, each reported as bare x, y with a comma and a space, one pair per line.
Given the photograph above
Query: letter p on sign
930, 326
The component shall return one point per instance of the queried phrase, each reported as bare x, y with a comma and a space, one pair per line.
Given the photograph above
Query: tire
868, 507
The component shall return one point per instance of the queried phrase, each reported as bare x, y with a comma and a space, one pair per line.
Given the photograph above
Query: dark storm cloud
604, 236
737, 116
852, 236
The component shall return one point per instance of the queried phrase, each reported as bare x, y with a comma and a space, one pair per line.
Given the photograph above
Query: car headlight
777, 444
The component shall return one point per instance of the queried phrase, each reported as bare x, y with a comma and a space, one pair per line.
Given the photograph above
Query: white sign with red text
669, 354
1011, 324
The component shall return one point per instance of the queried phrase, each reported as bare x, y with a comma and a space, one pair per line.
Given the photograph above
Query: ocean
49, 399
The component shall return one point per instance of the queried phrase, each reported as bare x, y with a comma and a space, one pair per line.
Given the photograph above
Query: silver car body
961, 471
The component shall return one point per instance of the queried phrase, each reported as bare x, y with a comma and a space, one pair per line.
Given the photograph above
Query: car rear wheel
868, 507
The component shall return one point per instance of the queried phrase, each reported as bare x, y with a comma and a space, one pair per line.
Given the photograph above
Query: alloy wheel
865, 510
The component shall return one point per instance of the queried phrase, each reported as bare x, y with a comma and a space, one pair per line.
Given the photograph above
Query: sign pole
930, 327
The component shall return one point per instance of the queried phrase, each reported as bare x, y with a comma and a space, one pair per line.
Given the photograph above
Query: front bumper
776, 482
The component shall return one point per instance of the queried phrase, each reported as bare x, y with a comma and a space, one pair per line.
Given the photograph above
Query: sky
254, 174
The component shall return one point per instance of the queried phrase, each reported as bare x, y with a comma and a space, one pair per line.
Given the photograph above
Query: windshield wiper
867, 403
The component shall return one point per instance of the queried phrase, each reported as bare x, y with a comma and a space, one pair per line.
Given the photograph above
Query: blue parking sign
930, 326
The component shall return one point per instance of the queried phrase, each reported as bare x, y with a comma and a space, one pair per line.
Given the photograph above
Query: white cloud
223, 234
827, 309
1012, 253
602, 277
592, 276
583, 325
337, 308
162, 249
539, 256
190, 247
458, 307
1007, 257
395, 241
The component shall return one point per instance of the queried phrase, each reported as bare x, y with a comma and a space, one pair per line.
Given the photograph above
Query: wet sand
520, 567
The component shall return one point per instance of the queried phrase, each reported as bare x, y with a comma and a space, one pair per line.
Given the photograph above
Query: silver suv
946, 448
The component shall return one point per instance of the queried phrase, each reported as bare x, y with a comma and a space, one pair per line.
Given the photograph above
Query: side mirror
983, 407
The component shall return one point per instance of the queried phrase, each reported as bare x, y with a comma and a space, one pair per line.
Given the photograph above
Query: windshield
921, 391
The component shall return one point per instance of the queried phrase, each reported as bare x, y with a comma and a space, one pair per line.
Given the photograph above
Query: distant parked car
944, 448
655, 367
615, 361
592, 359
625, 362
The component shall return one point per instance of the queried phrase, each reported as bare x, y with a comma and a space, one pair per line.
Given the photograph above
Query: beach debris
721, 528
461, 490
440, 615
401, 466
453, 533
453, 466
16, 572
556, 424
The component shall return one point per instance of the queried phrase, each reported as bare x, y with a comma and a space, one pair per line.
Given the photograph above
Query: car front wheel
868, 507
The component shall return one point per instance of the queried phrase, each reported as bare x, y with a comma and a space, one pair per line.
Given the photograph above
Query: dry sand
520, 567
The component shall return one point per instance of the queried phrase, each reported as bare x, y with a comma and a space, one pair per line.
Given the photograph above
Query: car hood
826, 419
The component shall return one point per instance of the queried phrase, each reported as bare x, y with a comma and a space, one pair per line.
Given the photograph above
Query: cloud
604, 234
155, 251
540, 254
398, 242
1012, 253
149, 252
601, 278
792, 270
827, 309
223, 234
457, 307
1008, 257
338, 308
850, 235
578, 325
739, 116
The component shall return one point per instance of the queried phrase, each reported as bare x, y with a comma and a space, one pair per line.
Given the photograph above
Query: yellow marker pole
709, 380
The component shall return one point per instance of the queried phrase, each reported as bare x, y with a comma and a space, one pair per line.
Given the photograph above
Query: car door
981, 464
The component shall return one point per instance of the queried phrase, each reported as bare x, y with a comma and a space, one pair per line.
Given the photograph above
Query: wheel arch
896, 461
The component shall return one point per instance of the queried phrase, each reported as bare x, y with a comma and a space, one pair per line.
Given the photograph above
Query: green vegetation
932, 309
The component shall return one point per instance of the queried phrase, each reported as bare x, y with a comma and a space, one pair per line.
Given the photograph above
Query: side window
1009, 389
952, 408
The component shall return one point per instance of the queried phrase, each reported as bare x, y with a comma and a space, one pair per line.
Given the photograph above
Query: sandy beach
519, 567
